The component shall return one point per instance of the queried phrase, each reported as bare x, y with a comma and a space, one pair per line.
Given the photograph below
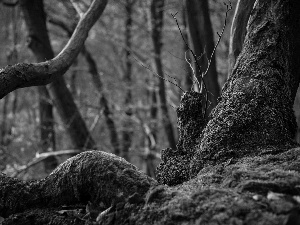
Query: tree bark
40, 45
202, 39
257, 100
127, 126
238, 31
157, 25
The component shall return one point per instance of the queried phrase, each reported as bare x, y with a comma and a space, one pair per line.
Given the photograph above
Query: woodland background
121, 48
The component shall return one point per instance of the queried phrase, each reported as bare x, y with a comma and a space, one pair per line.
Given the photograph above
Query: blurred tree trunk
96, 77
188, 78
153, 112
4, 128
36, 41
202, 42
127, 126
156, 29
238, 31
150, 129
103, 102
73, 79
12, 58
40, 45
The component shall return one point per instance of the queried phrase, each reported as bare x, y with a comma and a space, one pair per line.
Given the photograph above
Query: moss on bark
175, 166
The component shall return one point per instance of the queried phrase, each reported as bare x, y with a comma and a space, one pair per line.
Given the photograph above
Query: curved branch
34, 74
93, 176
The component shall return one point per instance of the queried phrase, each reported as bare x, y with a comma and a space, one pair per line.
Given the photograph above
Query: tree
59, 92
157, 13
244, 171
188, 79
39, 43
127, 127
202, 42
97, 81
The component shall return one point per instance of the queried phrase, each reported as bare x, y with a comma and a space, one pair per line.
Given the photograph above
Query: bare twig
199, 67
148, 68
194, 55
228, 8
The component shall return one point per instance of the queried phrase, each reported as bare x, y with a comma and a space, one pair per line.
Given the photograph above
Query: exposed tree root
93, 176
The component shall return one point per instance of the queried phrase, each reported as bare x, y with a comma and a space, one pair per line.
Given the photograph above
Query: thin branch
194, 55
228, 8
199, 67
148, 68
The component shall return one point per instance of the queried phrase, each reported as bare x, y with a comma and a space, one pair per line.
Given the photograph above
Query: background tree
58, 89
202, 42
127, 128
156, 34
38, 42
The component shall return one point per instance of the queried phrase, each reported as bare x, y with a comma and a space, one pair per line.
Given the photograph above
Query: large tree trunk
66, 107
202, 39
157, 25
245, 170
255, 115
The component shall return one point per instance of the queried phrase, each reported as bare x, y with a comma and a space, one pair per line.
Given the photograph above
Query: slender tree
60, 94
188, 79
157, 16
202, 43
127, 127
98, 83
37, 42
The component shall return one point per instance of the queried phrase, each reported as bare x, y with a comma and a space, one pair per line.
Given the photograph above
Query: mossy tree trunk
255, 115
